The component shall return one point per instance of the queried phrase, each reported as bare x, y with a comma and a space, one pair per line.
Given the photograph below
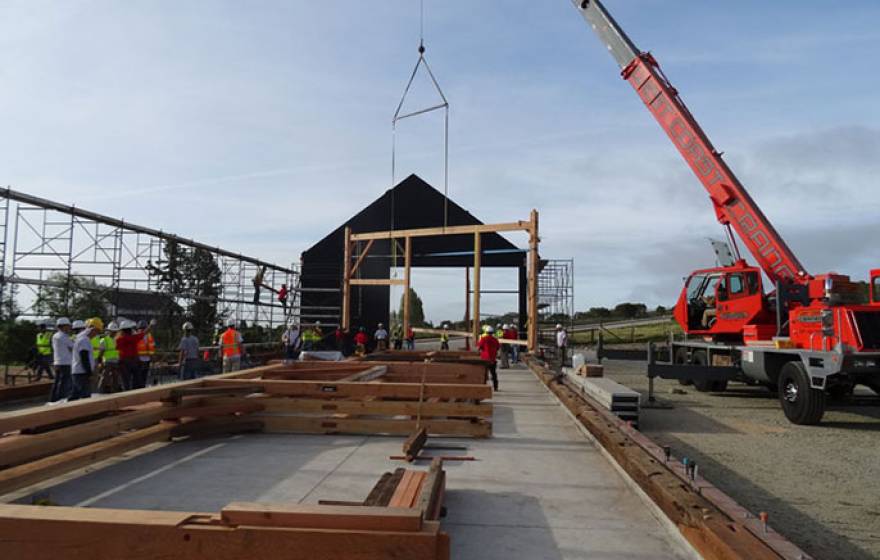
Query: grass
638, 334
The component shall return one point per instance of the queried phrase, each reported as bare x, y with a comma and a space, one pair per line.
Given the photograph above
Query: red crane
805, 336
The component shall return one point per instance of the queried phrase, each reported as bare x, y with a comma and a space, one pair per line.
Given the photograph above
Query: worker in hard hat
504, 351
291, 340
231, 347
488, 346
44, 352
108, 360
361, 340
512, 334
397, 336
146, 350
83, 364
561, 345
62, 359
381, 336
77, 327
444, 337
127, 345
188, 353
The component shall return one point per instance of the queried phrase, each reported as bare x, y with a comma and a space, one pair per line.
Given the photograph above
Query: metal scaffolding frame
50, 240
556, 293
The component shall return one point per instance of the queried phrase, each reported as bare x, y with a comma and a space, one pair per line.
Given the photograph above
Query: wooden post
346, 282
477, 251
407, 261
533, 281
467, 305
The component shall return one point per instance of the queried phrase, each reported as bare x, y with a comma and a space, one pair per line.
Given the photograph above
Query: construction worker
44, 352
146, 349
488, 347
291, 339
97, 370
513, 334
231, 344
317, 336
83, 363
282, 297
257, 281
381, 336
444, 338
505, 348
108, 380
410, 338
361, 339
188, 357
62, 359
561, 345
76, 327
127, 342
397, 336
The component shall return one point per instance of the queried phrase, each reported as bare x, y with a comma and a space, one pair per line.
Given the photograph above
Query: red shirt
361, 338
488, 346
126, 345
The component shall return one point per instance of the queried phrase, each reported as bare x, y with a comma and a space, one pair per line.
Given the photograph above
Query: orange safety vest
229, 343
146, 346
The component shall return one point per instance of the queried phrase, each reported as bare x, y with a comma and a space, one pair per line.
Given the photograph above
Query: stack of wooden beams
399, 519
369, 398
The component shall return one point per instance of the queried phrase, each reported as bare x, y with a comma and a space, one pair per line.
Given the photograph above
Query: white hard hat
380, 325
62, 322
78, 324
317, 323
558, 326
505, 326
187, 326
487, 328
126, 324
113, 326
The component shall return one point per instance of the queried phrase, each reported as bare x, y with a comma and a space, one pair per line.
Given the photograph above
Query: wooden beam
381, 493
346, 280
377, 282
533, 282
407, 261
362, 256
348, 390
371, 374
21, 448
288, 405
408, 490
414, 443
55, 533
467, 306
30, 473
350, 518
450, 230
475, 331
403, 427
430, 498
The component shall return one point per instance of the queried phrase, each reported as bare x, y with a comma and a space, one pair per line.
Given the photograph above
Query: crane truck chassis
810, 336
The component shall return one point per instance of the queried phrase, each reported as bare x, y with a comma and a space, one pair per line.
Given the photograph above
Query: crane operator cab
875, 286
720, 301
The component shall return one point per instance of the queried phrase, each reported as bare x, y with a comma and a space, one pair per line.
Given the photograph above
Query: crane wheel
705, 385
681, 357
801, 404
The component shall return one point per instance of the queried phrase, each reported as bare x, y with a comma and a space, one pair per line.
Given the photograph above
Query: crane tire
801, 404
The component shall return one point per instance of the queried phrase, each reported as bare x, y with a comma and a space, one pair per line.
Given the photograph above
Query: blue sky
260, 126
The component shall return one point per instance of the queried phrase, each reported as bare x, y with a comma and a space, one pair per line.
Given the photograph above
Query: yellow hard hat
96, 323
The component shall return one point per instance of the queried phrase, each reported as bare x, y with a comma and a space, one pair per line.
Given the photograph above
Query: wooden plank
25, 391
243, 406
17, 449
376, 282
414, 443
292, 405
449, 230
346, 278
432, 490
35, 471
407, 267
475, 329
177, 394
381, 493
56, 533
362, 256
371, 374
350, 390
403, 427
408, 490
351, 518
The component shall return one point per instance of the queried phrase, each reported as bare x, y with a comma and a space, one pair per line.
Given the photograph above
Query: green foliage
75, 297
416, 309
16, 340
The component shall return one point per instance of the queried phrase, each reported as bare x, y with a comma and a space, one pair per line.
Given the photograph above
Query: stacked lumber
620, 400
399, 519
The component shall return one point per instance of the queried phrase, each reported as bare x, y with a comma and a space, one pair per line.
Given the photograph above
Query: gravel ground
820, 485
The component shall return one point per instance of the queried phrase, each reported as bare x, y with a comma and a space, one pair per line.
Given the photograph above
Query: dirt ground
820, 485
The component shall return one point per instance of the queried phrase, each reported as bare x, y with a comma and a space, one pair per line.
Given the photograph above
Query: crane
809, 335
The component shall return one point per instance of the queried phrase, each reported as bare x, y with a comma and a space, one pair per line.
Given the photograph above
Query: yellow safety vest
44, 344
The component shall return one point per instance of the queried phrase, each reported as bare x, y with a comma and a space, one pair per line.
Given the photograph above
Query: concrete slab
539, 490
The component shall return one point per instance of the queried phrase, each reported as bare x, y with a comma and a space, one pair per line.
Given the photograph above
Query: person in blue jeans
62, 358
84, 359
188, 359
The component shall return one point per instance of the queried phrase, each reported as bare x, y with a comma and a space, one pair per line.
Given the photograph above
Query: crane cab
720, 302
875, 286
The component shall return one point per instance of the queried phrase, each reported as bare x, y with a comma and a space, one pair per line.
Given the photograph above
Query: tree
204, 284
416, 310
630, 310
75, 297
661, 310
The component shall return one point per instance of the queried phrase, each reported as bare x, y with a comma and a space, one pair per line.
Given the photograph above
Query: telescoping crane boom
809, 335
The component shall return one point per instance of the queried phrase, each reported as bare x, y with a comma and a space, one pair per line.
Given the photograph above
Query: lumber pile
620, 400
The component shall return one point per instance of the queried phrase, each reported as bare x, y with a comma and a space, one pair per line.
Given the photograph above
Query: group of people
493, 349
86, 355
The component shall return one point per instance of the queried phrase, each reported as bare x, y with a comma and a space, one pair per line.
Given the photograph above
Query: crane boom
733, 205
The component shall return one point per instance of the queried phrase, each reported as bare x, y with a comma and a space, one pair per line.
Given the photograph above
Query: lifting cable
422, 61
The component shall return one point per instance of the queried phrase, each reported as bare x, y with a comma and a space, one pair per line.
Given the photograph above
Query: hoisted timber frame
529, 226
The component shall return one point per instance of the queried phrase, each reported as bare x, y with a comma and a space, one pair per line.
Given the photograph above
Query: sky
261, 126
